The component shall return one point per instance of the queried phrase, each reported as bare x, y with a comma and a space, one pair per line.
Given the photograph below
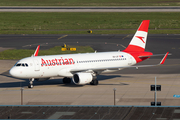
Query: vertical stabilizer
138, 42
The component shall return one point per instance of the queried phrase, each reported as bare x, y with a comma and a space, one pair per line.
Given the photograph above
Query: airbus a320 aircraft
83, 68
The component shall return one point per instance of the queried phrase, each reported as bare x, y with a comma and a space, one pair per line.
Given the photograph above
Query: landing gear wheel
31, 83
94, 82
67, 80
30, 86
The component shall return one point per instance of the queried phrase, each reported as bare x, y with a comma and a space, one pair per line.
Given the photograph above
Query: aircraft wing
117, 68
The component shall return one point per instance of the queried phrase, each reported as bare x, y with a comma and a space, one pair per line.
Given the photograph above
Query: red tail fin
138, 42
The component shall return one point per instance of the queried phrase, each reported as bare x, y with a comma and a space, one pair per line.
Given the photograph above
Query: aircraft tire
66, 80
30, 86
94, 82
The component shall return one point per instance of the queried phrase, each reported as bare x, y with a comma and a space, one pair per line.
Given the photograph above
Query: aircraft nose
13, 72
16, 72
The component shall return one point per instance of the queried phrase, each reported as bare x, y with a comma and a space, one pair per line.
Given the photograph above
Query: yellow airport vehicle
65, 48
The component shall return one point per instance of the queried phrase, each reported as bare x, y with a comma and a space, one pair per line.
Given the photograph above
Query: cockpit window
22, 64
19, 64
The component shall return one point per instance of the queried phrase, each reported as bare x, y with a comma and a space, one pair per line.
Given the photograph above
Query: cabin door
36, 65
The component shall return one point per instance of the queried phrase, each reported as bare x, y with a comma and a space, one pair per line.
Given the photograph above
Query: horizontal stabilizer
151, 55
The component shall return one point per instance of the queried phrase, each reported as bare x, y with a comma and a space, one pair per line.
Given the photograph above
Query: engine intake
82, 78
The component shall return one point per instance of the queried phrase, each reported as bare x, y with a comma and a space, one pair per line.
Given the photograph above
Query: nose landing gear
31, 83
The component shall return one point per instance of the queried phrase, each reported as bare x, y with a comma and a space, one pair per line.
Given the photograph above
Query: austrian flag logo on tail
141, 38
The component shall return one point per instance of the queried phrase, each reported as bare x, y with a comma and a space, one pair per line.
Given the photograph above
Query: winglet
164, 58
37, 50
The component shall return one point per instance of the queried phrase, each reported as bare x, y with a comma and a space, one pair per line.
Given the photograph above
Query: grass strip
157, 31
79, 23
89, 3
22, 53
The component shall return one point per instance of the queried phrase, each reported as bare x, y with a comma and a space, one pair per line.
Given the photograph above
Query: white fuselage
63, 65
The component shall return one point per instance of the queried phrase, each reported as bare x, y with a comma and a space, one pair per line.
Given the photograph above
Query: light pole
155, 88
22, 95
114, 96
155, 94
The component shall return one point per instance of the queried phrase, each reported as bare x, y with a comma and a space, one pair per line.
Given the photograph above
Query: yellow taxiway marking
125, 37
122, 45
62, 37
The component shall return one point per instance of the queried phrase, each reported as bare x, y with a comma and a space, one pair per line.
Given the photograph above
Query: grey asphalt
90, 9
157, 44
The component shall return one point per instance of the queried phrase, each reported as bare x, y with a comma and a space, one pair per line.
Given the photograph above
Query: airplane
83, 68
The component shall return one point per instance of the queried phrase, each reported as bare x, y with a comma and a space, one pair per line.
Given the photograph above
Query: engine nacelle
82, 78
41, 79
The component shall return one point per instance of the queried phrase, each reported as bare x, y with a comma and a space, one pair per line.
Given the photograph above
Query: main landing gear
31, 83
66, 80
94, 82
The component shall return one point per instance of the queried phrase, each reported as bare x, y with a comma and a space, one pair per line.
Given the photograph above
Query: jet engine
41, 79
82, 78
